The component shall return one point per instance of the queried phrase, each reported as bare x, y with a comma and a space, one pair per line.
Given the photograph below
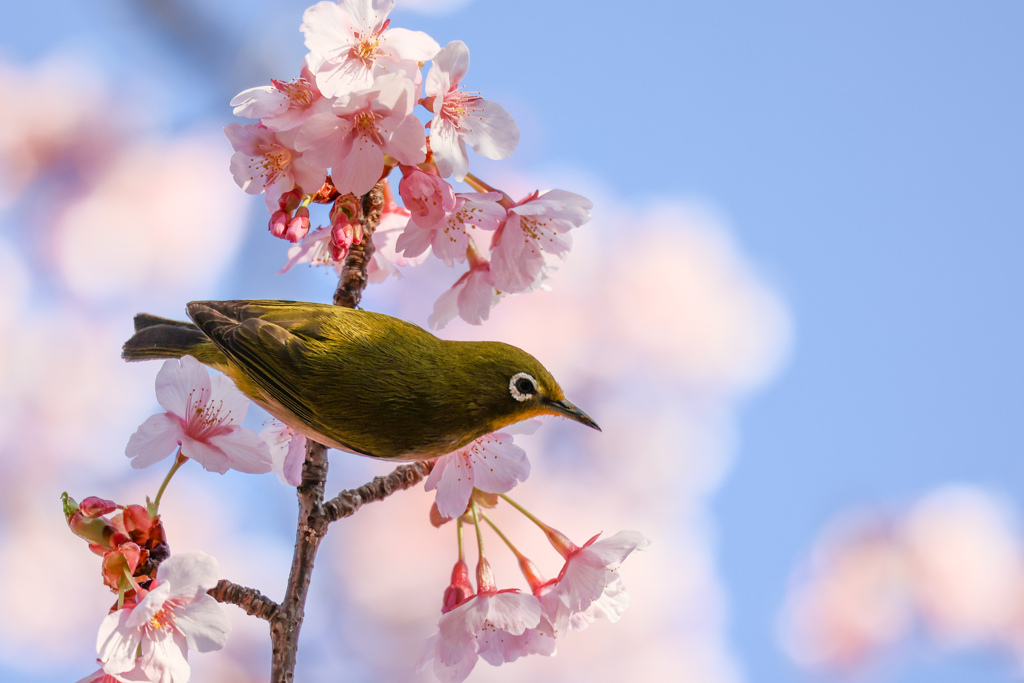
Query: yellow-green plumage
360, 381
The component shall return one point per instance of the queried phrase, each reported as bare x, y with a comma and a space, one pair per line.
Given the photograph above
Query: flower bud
459, 589
279, 223
298, 226
96, 507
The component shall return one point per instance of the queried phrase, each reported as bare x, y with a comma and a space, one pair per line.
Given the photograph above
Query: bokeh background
796, 313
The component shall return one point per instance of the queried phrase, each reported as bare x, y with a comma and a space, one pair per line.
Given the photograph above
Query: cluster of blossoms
349, 120
162, 609
502, 625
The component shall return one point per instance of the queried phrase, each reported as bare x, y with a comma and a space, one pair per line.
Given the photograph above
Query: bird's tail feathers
157, 337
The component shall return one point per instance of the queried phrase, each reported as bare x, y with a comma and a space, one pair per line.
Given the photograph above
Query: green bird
359, 381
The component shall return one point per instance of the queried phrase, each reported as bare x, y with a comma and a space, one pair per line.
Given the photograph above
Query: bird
356, 380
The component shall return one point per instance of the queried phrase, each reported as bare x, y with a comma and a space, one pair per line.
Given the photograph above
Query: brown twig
353, 276
347, 502
284, 627
251, 600
314, 514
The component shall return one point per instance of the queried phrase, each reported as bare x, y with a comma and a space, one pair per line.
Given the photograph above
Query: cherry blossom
464, 117
287, 452
176, 615
283, 105
353, 40
492, 463
362, 127
471, 297
267, 161
427, 196
203, 416
536, 226
100, 676
589, 587
314, 249
449, 236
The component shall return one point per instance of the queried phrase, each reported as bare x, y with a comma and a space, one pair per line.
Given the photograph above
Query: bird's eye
522, 386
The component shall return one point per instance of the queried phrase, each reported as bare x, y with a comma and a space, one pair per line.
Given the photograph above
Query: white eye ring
519, 395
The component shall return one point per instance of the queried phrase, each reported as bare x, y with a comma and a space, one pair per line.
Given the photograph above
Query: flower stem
458, 532
558, 540
529, 515
477, 184
501, 535
479, 531
178, 462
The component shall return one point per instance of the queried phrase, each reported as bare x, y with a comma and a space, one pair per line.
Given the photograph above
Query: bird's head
514, 386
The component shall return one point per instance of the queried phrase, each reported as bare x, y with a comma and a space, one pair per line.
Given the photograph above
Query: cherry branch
403, 477
249, 599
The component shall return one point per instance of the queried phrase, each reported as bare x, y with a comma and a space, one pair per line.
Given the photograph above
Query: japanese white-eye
363, 382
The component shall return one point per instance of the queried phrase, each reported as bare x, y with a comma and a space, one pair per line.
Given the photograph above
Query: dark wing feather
269, 341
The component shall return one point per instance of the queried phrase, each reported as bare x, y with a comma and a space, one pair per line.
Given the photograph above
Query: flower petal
181, 385
154, 440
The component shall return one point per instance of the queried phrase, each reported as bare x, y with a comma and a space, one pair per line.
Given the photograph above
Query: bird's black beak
570, 411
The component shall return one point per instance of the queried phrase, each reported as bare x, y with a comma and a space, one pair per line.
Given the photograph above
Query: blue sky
869, 157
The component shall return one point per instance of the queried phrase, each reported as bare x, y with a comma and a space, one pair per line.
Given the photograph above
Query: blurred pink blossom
287, 452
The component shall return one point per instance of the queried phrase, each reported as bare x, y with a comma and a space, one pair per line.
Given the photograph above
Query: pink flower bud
298, 226
459, 590
426, 195
96, 507
290, 200
279, 223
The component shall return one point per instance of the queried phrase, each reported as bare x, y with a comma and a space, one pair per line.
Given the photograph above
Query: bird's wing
269, 341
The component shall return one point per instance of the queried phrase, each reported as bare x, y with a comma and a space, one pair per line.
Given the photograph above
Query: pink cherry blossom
427, 196
267, 161
492, 464
449, 236
537, 226
464, 117
471, 298
480, 622
287, 452
314, 249
589, 586
100, 676
203, 416
176, 615
353, 40
436, 652
362, 127
283, 105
